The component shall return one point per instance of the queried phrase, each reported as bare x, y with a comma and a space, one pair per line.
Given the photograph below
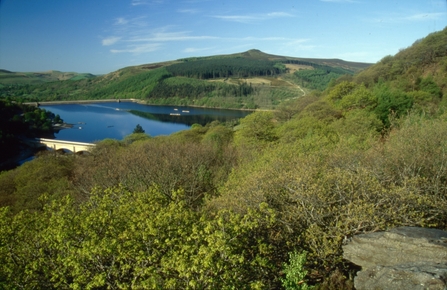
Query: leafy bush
120, 239
295, 272
320, 77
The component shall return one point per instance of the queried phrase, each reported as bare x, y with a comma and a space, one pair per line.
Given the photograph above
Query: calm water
97, 121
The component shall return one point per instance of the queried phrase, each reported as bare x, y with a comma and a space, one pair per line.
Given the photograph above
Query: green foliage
18, 121
48, 175
183, 162
208, 216
134, 86
415, 150
322, 110
355, 121
295, 272
428, 85
136, 137
119, 239
306, 127
138, 129
320, 77
123, 84
425, 102
8, 77
184, 82
218, 135
224, 68
281, 67
223, 207
323, 194
257, 129
359, 98
424, 57
289, 108
337, 93
391, 102
145, 115
186, 91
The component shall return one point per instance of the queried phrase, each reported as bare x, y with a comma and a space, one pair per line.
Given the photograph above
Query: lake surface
97, 121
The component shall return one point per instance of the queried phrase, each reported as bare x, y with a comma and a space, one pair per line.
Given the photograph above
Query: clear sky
101, 36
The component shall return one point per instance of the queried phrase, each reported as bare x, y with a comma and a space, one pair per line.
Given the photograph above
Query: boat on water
185, 111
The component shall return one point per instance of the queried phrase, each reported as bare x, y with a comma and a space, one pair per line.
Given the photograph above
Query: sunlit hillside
247, 80
266, 203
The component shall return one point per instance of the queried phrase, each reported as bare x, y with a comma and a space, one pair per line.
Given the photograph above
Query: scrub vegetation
263, 204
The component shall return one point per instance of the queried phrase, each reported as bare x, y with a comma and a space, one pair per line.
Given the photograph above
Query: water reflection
97, 121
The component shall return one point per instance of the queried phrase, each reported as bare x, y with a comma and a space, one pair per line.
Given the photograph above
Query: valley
267, 201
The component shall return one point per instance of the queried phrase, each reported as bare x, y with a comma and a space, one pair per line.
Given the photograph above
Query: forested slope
226, 81
18, 122
255, 205
8, 77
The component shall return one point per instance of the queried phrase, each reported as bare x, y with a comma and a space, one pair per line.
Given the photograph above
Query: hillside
247, 80
8, 77
266, 203
259, 55
415, 76
425, 57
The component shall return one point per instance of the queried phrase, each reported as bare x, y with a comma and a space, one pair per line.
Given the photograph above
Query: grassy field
296, 67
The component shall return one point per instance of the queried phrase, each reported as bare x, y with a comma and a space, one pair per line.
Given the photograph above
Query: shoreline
83, 102
138, 101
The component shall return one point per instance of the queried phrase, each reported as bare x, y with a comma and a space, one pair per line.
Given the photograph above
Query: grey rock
397, 246
402, 258
417, 276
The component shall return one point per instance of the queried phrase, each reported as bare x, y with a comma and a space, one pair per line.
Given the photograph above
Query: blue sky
101, 36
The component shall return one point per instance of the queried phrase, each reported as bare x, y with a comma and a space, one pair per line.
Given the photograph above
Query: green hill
259, 55
267, 203
8, 77
250, 80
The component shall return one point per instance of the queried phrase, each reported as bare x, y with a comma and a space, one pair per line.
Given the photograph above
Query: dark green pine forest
265, 203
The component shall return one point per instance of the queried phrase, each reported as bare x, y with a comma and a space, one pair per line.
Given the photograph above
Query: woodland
19, 122
265, 203
225, 81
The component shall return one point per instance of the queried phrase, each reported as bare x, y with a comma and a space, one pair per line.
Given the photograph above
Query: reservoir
97, 121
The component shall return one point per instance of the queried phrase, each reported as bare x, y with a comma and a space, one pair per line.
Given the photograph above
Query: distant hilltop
259, 55
9, 77
247, 80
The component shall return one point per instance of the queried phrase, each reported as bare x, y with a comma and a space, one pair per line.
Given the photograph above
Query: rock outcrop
402, 258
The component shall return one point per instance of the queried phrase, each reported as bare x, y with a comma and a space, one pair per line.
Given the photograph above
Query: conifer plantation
266, 203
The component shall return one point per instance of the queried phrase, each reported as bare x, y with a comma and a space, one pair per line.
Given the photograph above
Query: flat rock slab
414, 276
396, 247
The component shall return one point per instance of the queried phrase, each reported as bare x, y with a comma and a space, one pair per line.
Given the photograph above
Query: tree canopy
138, 129
263, 203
